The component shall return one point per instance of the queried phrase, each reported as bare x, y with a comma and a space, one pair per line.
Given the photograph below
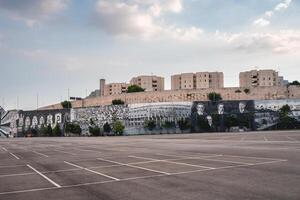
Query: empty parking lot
263, 165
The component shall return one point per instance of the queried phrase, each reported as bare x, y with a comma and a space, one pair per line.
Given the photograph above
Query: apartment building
149, 83
113, 88
199, 80
262, 78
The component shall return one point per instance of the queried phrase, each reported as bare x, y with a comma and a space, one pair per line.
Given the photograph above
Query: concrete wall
233, 93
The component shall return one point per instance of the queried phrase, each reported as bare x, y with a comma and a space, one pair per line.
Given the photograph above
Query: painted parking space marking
89, 170
136, 178
16, 157
133, 166
45, 177
41, 154
173, 161
4, 149
73, 154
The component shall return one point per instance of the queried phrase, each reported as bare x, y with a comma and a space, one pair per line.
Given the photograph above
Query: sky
50, 46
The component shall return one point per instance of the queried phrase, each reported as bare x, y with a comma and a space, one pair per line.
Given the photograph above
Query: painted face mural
27, 122
200, 109
49, 120
221, 109
42, 121
34, 121
21, 121
58, 118
242, 107
209, 120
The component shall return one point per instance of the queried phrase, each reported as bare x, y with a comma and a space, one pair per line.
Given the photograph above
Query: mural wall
212, 116
133, 116
36, 119
202, 115
267, 112
8, 120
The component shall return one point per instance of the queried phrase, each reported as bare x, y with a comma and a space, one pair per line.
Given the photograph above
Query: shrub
168, 124
106, 128
117, 102
73, 128
56, 131
247, 91
118, 128
183, 124
214, 97
135, 88
66, 104
295, 83
150, 124
95, 131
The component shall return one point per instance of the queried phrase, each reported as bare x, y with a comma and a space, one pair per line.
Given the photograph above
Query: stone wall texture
233, 93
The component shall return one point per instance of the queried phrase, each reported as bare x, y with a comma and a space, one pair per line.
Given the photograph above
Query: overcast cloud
48, 46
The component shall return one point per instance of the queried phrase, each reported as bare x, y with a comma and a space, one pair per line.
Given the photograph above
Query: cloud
284, 5
32, 11
261, 22
265, 20
141, 18
280, 42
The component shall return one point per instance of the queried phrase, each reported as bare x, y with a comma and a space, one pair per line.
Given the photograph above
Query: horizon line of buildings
192, 81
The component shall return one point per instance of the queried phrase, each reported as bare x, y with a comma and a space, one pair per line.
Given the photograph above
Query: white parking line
292, 139
45, 177
173, 162
4, 148
235, 156
135, 178
65, 152
9, 166
89, 170
21, 174
41, 154
183, 156
133, 166
16, 157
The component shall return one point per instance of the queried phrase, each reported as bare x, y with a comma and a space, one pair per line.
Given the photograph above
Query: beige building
263, 78
199, 80
149, 83
115, 89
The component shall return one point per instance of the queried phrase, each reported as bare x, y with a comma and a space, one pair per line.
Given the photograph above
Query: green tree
66, 104
43, 131
203, 123
284, 110
231, 121
286, 122
184, 124
135, 88
73, 128
214, 97
150, 124
49, 132
297, 83
247, 91
118, 128
95, 131
57, 131
106, 128
168, 124
118, 102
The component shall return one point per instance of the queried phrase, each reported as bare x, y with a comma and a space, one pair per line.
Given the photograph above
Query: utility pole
68, 98
17, 102
3, 103
37, 101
